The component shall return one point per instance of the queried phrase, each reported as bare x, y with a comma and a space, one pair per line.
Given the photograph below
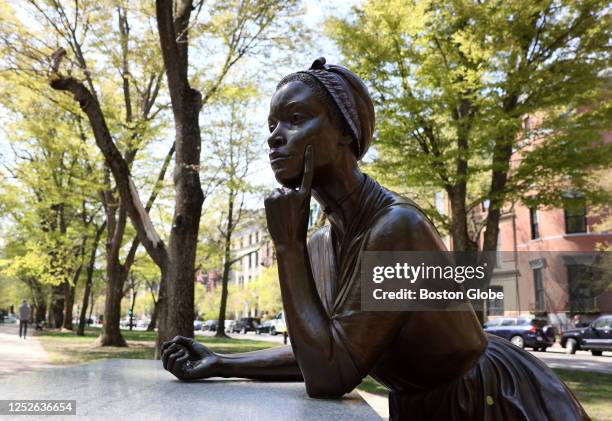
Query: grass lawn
593, 390
67, 348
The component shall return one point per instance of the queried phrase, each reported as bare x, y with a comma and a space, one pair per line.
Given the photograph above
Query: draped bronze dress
437, 365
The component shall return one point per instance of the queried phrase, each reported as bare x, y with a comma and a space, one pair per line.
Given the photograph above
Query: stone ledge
141, 390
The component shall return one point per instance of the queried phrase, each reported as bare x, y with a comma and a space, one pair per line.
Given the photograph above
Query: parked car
264, 327
246, 324
278, 324
508, 321
597, 337
229, 325
197, 325
125, 323
523, 332
143, 323
10, 319
210, 325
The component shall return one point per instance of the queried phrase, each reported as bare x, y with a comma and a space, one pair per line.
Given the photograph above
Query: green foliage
49, 202
265, 291
452, 81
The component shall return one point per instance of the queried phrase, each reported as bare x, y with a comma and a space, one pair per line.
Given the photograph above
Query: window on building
539, 290
256, 258
250, 260
533, 220
484, 206
441, 202
496, 306
580, 279
575, 219
257, 237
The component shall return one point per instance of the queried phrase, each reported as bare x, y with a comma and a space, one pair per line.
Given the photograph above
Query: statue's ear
346, 139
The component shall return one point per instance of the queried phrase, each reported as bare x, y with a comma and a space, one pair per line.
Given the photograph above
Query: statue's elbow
326, 389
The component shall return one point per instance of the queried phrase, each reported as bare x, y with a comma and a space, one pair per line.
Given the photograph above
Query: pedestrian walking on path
18, 356
24, 318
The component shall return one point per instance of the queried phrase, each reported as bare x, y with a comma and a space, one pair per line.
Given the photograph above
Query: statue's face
297, 118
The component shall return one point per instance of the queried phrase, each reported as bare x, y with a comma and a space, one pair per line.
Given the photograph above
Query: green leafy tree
453, 82
230, 154
50, 201
266, 289
227, 30
112, 58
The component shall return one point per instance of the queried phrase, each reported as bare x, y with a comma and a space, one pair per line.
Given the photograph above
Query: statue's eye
271, 126
296, 118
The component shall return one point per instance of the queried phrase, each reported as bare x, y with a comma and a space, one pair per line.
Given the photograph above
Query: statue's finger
166, 344
182, 340
308, 163
170, 349
179, 364
173, 357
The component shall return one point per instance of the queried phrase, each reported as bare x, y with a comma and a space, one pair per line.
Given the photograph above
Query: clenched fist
188, 359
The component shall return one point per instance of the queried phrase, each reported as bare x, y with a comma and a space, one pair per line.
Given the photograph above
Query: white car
278, 324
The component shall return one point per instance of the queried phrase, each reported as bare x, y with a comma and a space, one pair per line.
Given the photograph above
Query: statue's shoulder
399, 210
403, 225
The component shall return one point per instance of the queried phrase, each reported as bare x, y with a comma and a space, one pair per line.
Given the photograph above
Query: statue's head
325, 106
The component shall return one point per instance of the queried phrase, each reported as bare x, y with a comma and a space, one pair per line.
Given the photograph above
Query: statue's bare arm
190, 360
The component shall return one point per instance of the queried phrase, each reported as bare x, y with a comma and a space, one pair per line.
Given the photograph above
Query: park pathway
19, 355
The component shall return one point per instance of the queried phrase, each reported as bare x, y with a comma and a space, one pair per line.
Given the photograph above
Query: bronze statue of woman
321, 122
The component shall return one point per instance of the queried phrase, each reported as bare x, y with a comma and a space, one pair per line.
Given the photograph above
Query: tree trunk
69, 299
93, 302
111, 332
227, 264
41, 309
462, 241
68, 304
89, 282
133, 304
177, 285
153, 322
56, 311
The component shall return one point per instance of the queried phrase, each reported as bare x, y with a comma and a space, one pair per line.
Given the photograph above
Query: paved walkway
555, 357
19, 355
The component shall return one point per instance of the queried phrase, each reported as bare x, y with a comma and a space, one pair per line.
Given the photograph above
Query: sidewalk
18, 355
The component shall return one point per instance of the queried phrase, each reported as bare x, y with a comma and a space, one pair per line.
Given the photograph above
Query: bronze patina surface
437, 365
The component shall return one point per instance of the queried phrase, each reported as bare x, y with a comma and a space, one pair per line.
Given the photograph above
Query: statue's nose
276, 140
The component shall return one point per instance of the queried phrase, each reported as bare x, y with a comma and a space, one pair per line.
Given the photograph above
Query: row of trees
94, 89
262, 294
126, 68
453, 81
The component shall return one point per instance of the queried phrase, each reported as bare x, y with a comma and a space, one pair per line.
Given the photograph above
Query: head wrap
352, 98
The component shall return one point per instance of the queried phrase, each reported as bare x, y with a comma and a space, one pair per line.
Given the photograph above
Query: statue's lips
278, 159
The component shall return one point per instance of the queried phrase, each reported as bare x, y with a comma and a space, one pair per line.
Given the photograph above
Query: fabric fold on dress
504, 383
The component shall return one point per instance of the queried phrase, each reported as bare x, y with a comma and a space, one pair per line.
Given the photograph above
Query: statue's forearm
327, 367
268, 364
306, 317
